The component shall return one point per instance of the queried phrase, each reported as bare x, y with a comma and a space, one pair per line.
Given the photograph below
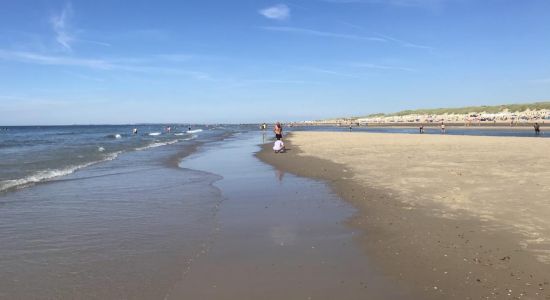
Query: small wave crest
190, 138
49, 174
156, 144
154, 133
114, 136
194, 131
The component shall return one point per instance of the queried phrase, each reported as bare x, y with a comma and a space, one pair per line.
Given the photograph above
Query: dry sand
454, 217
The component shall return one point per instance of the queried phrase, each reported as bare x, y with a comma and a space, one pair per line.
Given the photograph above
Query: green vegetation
468, 109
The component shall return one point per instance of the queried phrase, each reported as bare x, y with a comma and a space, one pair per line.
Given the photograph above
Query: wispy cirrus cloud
241, 83
382, 67
139, 65
63, 31
276, 12
406, 44
388, 38
59, 25
36, 58
399, 3
304, 31
176, 57
329, 72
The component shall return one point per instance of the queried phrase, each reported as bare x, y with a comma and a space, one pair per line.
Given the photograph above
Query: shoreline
271, 244
519, 127
437, 257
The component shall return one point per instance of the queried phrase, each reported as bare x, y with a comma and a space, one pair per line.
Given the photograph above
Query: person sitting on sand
279, 146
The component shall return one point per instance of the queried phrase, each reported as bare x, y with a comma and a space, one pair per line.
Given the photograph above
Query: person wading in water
537, 128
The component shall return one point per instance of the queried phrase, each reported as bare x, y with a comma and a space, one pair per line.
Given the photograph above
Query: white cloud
277, 12
59, 25
323, 33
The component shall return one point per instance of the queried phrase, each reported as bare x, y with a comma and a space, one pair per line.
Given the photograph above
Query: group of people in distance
279, 146
443, 130
536, 126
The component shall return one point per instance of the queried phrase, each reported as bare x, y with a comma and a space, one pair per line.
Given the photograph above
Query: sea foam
156, 144
49, 174
194, 131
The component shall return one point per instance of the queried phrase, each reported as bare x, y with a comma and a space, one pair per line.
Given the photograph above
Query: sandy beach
198, 219
454, 217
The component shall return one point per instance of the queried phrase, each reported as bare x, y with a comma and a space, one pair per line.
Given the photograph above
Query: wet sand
454, 217
280, 237
220, 225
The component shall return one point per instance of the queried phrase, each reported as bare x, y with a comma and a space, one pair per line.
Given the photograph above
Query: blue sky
83, 62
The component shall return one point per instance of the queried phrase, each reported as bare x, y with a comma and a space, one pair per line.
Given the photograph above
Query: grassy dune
468, 109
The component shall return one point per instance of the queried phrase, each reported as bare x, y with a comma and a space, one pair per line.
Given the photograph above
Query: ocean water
77, 222
33, 154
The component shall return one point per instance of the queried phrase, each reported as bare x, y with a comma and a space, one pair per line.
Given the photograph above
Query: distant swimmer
189, 128
135, 131
537, 128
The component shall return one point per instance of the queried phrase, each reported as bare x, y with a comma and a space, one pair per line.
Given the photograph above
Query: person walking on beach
278, 131
537, 128
442, 128
421, 128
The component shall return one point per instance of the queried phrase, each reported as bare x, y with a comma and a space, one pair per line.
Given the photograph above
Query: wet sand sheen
280, 237
452, 216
